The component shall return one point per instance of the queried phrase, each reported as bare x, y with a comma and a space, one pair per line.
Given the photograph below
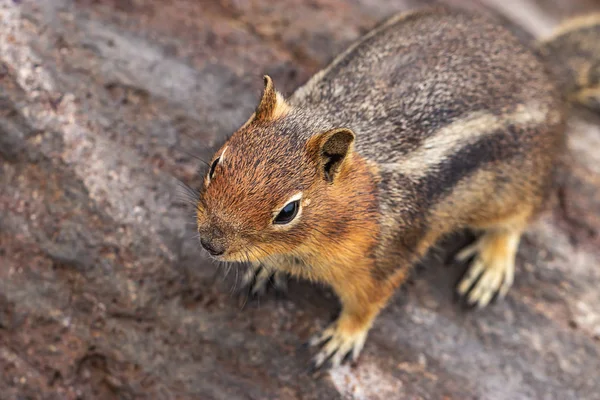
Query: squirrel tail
573, 52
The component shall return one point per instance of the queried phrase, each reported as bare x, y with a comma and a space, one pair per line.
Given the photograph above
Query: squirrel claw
491, 273
258, 279
336, 347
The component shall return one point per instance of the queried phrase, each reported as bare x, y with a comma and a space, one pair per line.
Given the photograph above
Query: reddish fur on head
267, 162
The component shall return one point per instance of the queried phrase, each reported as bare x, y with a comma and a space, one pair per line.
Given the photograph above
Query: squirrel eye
212, 168
287, 213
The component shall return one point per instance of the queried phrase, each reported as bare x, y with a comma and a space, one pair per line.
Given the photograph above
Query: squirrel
436, 120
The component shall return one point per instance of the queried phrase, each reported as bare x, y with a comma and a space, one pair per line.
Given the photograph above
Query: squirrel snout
213, 239
213, 247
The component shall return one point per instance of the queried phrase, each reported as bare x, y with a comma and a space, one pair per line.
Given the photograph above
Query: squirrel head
275, 187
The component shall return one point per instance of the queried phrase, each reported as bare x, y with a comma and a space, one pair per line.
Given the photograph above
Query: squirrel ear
331, 148
272, 104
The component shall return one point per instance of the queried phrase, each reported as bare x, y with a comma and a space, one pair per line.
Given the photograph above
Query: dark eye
287, 213
212, 168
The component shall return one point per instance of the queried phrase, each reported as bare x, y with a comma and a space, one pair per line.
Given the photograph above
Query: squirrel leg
259, 276
362, 299
588, 97
342, 339
493, 267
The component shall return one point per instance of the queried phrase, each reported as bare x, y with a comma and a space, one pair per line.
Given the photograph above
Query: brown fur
434, 121
573, 52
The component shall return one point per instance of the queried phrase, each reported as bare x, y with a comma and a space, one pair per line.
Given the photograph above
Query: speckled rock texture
104, 293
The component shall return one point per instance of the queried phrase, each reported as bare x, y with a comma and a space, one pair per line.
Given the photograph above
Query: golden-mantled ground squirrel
434, 121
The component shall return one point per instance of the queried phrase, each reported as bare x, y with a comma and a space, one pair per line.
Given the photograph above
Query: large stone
104, 106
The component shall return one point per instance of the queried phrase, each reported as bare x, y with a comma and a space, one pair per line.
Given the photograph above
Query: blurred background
104, 292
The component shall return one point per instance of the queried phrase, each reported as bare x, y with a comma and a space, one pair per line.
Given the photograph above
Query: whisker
179, 149
195, 237
227, 269
236, 280
186, 202
187, 195
215, 275
187, 188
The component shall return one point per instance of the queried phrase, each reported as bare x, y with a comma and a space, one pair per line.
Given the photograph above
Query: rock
103, 290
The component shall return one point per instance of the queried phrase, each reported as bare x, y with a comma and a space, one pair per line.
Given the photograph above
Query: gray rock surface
104, 293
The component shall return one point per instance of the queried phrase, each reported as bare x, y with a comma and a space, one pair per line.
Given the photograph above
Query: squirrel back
573, 53
420, 72
422, 101
436, 120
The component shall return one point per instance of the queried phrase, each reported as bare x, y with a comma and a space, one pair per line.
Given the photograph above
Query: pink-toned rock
103, 290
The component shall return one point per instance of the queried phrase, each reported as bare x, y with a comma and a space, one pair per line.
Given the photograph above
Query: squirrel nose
213, 248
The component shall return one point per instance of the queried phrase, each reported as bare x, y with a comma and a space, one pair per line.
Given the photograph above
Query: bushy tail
573, 52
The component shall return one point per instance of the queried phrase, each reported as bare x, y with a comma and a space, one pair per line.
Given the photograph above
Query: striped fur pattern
436, 120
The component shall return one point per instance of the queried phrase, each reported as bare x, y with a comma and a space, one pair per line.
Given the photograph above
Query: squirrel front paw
337, 345
258, 279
